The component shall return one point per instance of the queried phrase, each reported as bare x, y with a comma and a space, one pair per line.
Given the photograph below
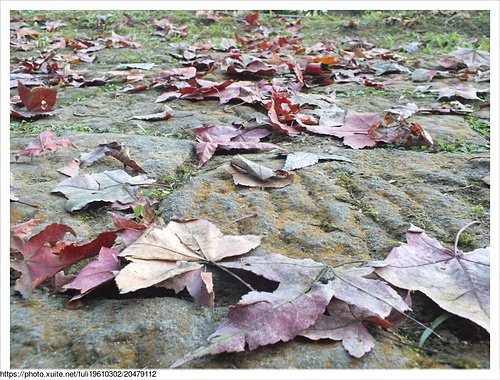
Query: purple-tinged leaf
96, 273
463, 278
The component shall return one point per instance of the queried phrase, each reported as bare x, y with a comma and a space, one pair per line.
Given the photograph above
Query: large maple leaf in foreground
305, 289
44, 254
458, 282
181, 247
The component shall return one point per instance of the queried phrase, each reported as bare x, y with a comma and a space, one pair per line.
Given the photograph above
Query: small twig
238, 220
27, 204
462, 230
232, 274
348, 262
227, 108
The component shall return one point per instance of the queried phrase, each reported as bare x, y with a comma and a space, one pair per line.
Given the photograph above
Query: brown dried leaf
249, 173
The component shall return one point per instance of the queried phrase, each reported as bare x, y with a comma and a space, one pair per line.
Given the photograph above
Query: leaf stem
348, 262
232, 274
238, 220
27, 204
460, 232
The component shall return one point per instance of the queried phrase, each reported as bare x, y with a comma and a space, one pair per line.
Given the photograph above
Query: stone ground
334, 211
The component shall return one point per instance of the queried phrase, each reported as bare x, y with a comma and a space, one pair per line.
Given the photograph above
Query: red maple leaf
44, 254
39, 99
44, 142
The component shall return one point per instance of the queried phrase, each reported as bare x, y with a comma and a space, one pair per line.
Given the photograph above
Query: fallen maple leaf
395, 128
197, 89
388, 68
179, 74
247, 65
95, 274
262, 318
215, 137
38, 99
355, 129
249, 173
251, 19
329, 119
458, 282
281, 111
331, 60
474, 59
405, 111
109, 186
43, 255
118, 41
180, 247
52, 26
305, 289
423, 75
298, 160
42, 143
460, 90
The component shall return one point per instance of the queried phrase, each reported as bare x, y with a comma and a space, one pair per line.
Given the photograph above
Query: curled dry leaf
163, 253
463, 278
112, 149
249, 173
38, 99
42, 143
166, 114
109, 186
43, 255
